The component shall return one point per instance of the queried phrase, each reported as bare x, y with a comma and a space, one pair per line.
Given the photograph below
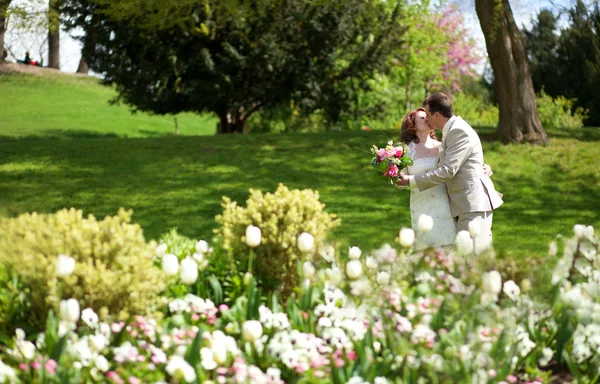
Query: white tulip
161, 249
512, 290
589, 232
383, 278
253, 236
252, 330
89, 317
219, 352
102, 364
308, 269
206, 359
189, 271
170, 264
425, 223
98, 342
334, 275
354, 253
177, 364
407, 237
306, 242
464, 243
202, 247
475, 226
354, 269
491, 283
579, 230
372, 263
65, 265
327, 253
69, 310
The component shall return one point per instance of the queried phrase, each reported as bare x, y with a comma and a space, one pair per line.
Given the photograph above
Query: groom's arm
458, 148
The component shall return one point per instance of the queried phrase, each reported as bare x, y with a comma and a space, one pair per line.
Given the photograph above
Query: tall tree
53, 34
519, 119
4, 4
542, 43
83, 66
234, 58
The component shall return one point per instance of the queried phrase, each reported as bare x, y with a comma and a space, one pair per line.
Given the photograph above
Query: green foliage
234, 58
559, 112
114, 271
281, 216
475, 110
14, 303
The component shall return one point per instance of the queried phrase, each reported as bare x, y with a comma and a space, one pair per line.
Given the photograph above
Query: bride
423, 149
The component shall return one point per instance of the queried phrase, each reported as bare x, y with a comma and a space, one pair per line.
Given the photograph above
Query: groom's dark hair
439, 102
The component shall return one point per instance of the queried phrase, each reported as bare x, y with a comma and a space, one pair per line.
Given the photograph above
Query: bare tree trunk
519, 119
83, 66
176, 125
3, 25
53, 35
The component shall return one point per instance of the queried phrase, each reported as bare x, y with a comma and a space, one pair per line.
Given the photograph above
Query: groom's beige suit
460, 166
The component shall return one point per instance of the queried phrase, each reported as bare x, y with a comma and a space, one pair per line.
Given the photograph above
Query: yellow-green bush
114, 267
281, 216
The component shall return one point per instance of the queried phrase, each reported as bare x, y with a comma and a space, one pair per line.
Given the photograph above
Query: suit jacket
460, 166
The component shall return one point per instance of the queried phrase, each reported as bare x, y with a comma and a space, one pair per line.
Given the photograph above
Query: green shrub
558, 112
475, 111
114, 266
281, 216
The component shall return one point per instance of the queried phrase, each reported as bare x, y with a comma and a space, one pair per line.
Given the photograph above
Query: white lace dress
433, 202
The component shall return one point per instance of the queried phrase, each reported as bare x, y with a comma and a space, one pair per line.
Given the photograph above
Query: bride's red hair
408, 130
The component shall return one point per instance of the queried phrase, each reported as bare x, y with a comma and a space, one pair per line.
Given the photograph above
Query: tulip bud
407, 237
491, 283
464, 243
170, 264
252, 330
253, 236
579, 230
306, 242
425, 223
383, 278
65, 266
308, 269
69, 310
354, 269
247, 278
189, 271
372, 262
202, 247
354, 253
161, 250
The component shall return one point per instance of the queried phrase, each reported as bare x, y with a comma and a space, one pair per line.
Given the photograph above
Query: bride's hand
487, 170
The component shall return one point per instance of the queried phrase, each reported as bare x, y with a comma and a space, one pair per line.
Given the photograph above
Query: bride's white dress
433, 202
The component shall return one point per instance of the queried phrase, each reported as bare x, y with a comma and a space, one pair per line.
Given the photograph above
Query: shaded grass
179, 181
57, 105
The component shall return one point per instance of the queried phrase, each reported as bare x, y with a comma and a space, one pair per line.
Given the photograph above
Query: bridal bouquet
390, 160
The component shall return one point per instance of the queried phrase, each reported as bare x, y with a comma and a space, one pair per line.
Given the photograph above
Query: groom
472, 193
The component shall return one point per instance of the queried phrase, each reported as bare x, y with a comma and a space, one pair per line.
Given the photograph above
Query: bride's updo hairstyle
408, 130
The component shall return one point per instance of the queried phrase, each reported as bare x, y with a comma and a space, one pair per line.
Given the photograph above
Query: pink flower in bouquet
399, 152
382, 153
392, 171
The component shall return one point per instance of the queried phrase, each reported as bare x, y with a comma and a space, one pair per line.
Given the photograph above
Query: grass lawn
66, 106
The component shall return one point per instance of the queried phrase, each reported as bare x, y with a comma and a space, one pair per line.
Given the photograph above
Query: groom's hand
403, 181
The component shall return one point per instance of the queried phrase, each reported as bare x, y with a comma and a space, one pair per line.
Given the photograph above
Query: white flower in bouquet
253, 236
65, 265
383, 278
308, 269
425, 223
491, 283
189, 271
464, 243
89, 317
170, 264
161, 249
407, 237
372, 263
252, 330
354, 253
202, 247
354, 269
306, 242
69, 310
178, 365
512, 290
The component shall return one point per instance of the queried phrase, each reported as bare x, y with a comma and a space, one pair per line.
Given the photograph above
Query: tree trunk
176, 125
519, 119
3, 24
53, 35
83, 66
